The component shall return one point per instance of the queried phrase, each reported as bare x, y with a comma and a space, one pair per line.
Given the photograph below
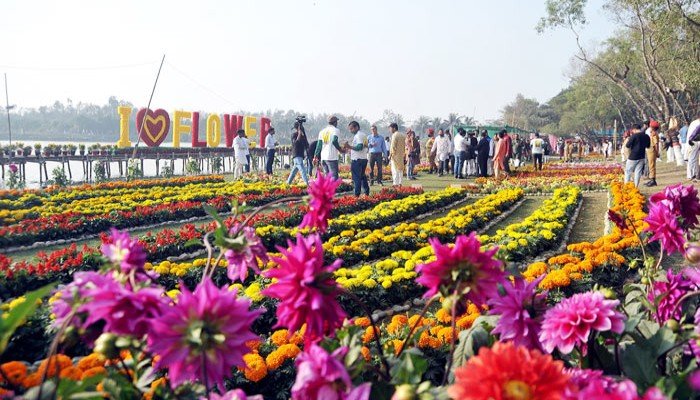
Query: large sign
157, 126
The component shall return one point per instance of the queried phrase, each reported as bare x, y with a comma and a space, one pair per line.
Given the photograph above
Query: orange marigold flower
72, 373
577, 276
472, 309
274, 360
398, 345
253, 345
57, 362
362, 321
369, 335
509, 372
91, 361
32, 380
466, 321
280, 337
399, 319
93, 372
160, 382
443, 316
366, 353
15, 371
445, 335
255, 369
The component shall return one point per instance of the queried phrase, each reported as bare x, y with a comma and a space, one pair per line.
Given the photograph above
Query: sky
415, 57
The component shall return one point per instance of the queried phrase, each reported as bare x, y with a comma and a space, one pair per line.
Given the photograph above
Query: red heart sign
157, 125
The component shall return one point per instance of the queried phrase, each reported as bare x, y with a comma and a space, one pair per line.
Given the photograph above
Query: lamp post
8, 107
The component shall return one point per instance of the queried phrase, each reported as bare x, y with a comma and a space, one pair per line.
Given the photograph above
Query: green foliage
19, 314
167, 169
58, 177
192, 167
14, 181
216, 164
133, 170
100, 172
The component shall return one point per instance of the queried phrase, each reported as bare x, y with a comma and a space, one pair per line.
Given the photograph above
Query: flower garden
203, 288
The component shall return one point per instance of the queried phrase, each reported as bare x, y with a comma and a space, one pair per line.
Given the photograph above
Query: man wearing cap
652, 152
271, 147
328, 147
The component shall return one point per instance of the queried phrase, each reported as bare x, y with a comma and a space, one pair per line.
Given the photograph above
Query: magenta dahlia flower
322, 191
13, 168
246, 255
323, 376
74, 296
306, 289
124, 311
664, 226
694, 380
125, 251
235, 394
202, 336
463, 267
681, 201
604, 388
617, 219
521, 309
569, 323
668, 294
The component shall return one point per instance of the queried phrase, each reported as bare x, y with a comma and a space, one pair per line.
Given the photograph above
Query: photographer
300, 146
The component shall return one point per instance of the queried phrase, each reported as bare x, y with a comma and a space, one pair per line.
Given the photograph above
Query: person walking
310, 158
429, 151
328, 147
471, 153
246, 152
240, 145
637, 144
377, 154
412, 156
509, 151
271, 148
652, 152
397, 150
358, 158
409, 151
442, 151
482, 153
300, 147
500, 155
537, 147
674, 140
693, 136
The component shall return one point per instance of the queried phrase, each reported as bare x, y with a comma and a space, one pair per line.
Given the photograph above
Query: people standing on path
509, 151
412, 154
637, 144
429, 151
693, 136
240, 145
674, 140
300, 148
537, 147
271, 148
482, 153
442, 151
246, 152
471, 153
377, 154
397, 149
328, 147
358, 158
652, 152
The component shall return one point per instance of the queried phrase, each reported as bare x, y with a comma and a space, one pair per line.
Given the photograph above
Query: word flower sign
157, 124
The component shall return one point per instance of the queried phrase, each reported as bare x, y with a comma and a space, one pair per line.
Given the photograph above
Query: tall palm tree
452, 120
420, 124
435, 123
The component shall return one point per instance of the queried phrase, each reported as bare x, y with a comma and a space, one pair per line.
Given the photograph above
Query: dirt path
528, 206
590, 224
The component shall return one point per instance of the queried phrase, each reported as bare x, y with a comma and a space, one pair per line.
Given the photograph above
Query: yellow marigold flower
369, 283
466, 321
386, 284
443, 316
253, 292
445, 335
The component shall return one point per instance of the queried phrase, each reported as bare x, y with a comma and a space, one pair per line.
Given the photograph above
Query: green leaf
16, 317
410, 368
468, 345
193, 243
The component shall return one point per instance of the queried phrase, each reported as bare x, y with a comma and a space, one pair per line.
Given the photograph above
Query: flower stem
377, 333
204, 374
452, 341
413, 328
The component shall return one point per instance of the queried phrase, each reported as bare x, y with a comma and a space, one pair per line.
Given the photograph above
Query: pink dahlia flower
681, 201
694, 380
462, 267
125, 312
322, 191
520, 308
604, 388
13, 168
669, 294
202, 337
323, 376
125, 251
247, 255
75, 295
235, 394
570, 322
664, 226
306, 289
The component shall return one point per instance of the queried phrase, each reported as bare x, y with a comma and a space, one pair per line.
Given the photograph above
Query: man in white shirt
694, 148
328, 147
460, 153
240, 146
358, 159
271, 147
246, 152
441, 148
537, 147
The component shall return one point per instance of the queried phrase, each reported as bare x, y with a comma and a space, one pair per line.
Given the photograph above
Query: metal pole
138, 139
7, 107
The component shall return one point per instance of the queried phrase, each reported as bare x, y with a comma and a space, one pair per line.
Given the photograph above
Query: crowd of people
645, 144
